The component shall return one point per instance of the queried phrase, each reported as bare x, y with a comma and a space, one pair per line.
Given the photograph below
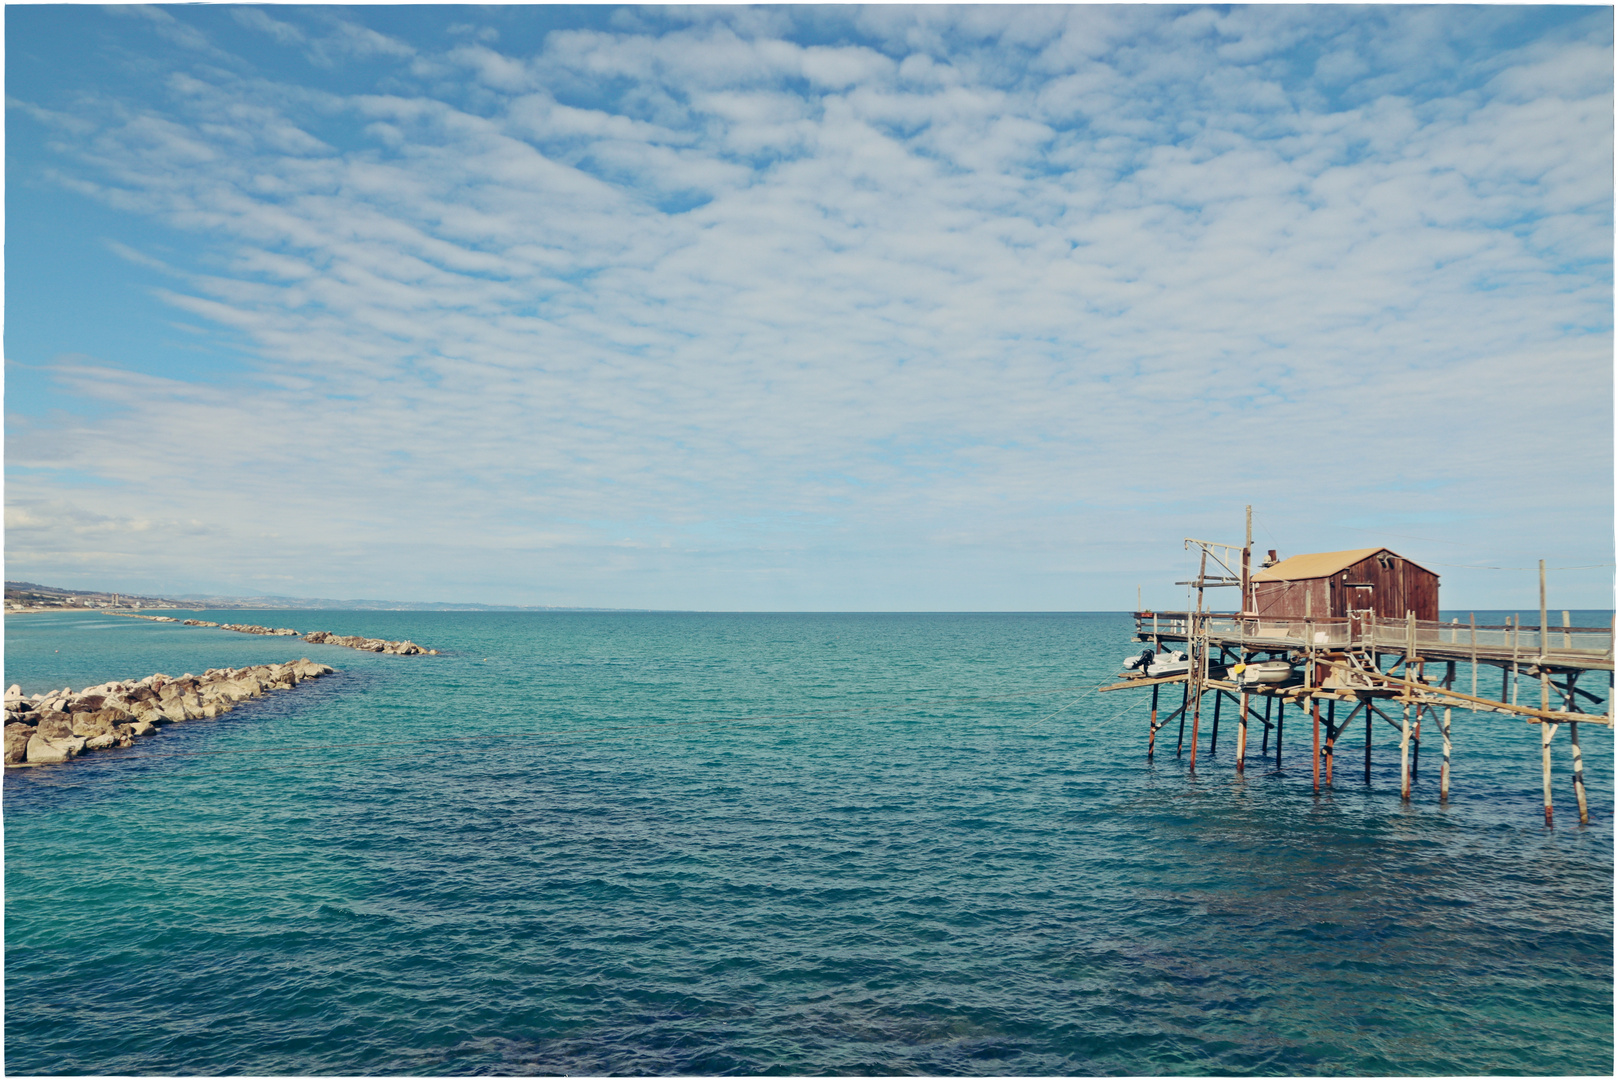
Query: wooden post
1443, 774
1544, 696
1516, 643
1578, 773
1151, 737
1404, 757
1264, 750
1331, 737
1316, 711
1415, 745
1472, 618
1546, 731
1196, 719
1241, 731
1567, 622
1280, 721
1367, 738
1213, 739
1198, 636
1185, 704
1544, 635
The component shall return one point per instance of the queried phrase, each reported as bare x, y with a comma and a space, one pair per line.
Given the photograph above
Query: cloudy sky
887, 308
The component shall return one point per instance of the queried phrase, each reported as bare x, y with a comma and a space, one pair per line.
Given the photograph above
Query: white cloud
1034, 270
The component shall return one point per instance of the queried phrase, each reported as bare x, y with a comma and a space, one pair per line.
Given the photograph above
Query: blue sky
799, 308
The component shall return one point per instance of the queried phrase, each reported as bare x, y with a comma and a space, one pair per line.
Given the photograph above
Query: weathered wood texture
1385, 583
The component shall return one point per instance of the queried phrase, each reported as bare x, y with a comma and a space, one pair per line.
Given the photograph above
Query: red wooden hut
1335, 584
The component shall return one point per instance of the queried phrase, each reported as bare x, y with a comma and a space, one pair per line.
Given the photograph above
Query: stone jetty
62, 724
314, 637
365, 644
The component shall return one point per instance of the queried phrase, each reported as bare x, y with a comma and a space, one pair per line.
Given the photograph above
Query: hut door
1359, 602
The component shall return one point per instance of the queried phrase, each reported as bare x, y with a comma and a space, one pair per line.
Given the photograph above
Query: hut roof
1322, 564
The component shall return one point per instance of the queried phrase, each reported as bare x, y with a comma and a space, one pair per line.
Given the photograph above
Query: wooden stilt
1404, 757
1184, 705
1151, 737
1443, 773
1331, 737
1196, 721
1269, 705
1415, 747
1578, 773
1367, 739
1315, 711
1213, 739
1241, 738
1546, 732
1472, 618
1280, 720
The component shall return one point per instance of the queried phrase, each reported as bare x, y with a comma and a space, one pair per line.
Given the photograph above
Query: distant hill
27, 595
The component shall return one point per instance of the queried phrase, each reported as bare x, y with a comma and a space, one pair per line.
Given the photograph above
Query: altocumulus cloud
977, 307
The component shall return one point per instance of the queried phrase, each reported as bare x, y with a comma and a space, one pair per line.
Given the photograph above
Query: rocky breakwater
369, 644
62, 724
316, 637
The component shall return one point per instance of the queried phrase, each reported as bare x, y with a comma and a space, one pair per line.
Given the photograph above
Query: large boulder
102, 742
43, 751
17, 743
55, 725
90, 725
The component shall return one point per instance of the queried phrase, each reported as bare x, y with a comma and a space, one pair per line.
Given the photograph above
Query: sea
611, 843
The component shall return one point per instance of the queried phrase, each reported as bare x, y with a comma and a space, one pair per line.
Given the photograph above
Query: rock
91, 725
17, 744
102, 742
44, 751
55, 726
141, 727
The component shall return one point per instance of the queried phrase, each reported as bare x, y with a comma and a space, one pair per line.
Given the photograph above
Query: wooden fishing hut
1361, 628
1341, 584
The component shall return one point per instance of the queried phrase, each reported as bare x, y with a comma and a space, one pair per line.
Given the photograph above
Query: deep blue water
670, 843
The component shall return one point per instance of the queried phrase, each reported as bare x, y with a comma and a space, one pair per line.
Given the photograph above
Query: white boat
1168, 663
1265, 672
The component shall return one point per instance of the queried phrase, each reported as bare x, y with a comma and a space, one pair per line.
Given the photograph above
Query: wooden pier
1402, 671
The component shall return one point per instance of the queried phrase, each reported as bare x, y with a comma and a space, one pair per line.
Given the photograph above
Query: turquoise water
663, 843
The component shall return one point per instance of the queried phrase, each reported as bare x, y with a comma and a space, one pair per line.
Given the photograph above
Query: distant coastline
27, 598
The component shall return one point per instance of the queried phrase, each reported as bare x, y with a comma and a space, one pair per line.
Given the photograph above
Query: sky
891, 308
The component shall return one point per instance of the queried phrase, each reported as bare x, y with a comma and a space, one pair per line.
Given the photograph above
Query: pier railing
1577, 646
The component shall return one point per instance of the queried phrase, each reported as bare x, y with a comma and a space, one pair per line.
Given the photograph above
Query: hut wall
1293, 599
1396, 588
